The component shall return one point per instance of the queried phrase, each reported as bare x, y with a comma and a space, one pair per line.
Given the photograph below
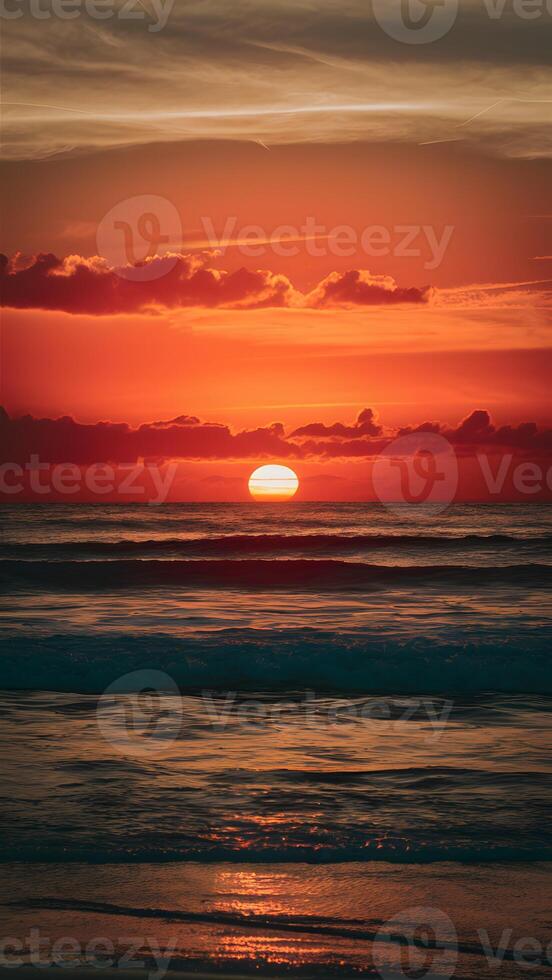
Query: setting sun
273, 482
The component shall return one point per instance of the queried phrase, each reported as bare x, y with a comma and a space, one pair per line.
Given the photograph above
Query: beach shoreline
276, 920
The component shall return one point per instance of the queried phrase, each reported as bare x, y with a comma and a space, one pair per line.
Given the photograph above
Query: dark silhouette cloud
365, 425
89, 285
478, 430
80, 285
66, 440
358, 287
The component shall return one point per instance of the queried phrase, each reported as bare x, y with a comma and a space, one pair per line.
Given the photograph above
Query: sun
273, 483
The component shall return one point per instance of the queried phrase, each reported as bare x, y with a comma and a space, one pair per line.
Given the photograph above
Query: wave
363, 929
260, 573
511, 659
275, 543
390, 851
359, 929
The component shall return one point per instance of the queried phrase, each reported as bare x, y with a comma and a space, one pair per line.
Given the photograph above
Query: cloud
495, 295
477, 430
66, 440
278, 72
90, 285
77, 284
357, 287
365, 425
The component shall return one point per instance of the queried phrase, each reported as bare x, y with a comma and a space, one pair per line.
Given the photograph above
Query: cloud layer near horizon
90, 285
187, 437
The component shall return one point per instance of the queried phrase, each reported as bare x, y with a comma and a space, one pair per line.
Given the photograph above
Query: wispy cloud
275, 73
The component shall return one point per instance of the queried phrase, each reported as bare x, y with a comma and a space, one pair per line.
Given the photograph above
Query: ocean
271, 730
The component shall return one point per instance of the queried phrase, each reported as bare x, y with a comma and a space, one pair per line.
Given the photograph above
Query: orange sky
256, 367
468, 346
499, 208
343, 222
